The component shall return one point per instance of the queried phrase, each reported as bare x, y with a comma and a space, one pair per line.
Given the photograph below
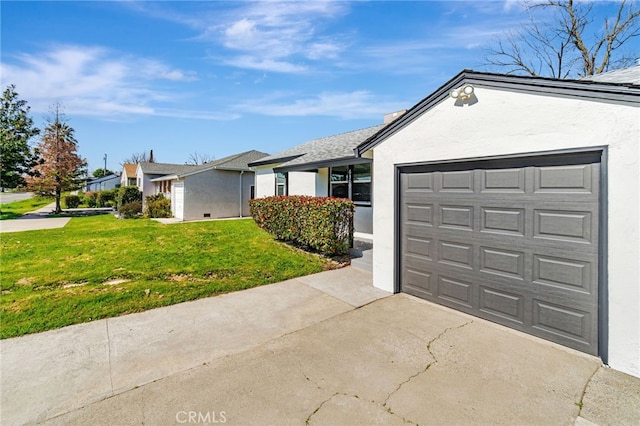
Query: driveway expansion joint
106, 322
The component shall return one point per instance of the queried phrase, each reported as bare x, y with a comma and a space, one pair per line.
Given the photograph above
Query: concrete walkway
34, 220
323, 349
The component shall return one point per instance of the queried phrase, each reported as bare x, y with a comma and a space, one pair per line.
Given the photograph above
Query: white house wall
265, 182
302, 183
511, 123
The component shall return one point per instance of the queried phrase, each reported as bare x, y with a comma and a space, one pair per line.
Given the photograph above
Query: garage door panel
517, 245
455, 291
565, 225
570, 326
418, 283
569, 274
501, 220
502, 305
506, 263
419, 213
458, 181
456, 216
569, 179
502, 181
456, 254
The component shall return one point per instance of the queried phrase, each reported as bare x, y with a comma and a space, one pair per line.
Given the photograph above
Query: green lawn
18, 208
53, 278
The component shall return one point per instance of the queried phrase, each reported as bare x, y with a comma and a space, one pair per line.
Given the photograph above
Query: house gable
596, 89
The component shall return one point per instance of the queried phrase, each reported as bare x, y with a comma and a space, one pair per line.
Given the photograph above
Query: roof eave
278, 160
315, 165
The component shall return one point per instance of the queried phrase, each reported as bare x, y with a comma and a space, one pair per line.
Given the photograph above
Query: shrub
106, 198
131, 210
72, 201
128, 194
157, 206
90, 198
320, 223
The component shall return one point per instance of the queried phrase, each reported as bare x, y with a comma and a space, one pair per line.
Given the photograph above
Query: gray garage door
512, 241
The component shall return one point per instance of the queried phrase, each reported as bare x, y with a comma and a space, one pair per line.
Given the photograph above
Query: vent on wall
207, 215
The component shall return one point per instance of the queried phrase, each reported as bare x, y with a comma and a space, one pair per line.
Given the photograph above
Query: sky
223, 77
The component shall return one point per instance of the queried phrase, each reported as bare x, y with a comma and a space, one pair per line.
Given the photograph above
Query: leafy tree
16, 156
564, 40
60, 168
98, 173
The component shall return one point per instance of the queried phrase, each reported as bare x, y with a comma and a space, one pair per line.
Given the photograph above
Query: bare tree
197, 159
563, 40
135, 158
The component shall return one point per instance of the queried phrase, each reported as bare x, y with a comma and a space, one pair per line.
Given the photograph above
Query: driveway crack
427, 367
580, 403
308, 419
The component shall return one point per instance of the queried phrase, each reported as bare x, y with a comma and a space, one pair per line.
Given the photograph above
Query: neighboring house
323, 167
218, 189
146, 172
518, 200
101, 184
128, 175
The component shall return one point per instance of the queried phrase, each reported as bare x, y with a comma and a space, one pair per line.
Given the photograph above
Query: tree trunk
58, 208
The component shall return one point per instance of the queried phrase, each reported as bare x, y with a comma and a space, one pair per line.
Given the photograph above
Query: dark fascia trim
523, 156
314, 166
274, 160
585, 89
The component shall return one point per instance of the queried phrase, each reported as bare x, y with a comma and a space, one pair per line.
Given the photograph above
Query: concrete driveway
327, 349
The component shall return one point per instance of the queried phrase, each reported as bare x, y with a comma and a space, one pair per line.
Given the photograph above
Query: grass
18, 208
100, 266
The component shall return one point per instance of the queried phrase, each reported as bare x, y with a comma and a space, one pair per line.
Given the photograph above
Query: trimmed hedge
72, 201
323, 224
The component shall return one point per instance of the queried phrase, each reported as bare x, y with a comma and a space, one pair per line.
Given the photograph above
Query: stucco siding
265, 182
302, 183
322, 182
511, 123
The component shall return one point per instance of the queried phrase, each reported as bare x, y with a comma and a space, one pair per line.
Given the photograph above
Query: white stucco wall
506, 123
302, 183
265, 185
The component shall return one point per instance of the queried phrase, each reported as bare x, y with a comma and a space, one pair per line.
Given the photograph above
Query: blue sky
220, 78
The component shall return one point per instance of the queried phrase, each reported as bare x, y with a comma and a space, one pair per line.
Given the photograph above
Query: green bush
106, 198
90, 198
319, 223
131, 210
128, 194
72, 201
157, 206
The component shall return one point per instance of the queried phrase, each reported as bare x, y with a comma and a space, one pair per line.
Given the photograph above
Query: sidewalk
34, 220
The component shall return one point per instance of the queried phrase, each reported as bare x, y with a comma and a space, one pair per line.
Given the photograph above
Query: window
353, 182
281, 184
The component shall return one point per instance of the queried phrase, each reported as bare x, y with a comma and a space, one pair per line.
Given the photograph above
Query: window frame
350, 183
284, 185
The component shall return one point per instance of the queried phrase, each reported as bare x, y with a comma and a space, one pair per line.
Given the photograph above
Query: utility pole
104, 171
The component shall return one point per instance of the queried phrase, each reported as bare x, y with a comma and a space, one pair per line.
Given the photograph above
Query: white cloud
359, 104
94, 81
275, 36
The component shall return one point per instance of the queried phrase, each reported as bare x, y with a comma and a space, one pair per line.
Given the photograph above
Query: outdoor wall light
463, 92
